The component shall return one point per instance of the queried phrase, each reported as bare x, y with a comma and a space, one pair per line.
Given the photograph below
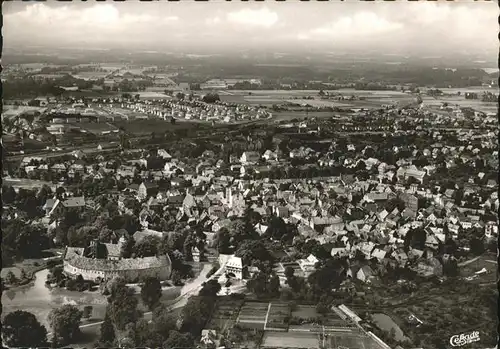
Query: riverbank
28, 281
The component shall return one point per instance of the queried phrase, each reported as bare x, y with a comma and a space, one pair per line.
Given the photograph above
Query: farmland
371, 99
476, 104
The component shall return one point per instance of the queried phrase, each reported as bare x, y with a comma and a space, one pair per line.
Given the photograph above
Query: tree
322, 308
145, 336
151, 292
477, 246
223, 241
274, 286
210, 289
123, 306
11, 278
179, 340
147, 247
22, 329
65, 323
87, 312
250, 250
211, 98
176, 277
196, 313
258, 284
289, 272
107, 332
163, 320
8, 194
128, 247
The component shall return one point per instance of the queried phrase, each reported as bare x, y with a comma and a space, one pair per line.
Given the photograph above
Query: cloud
361, 24
99, 19
258, 18
213, 20
392, 26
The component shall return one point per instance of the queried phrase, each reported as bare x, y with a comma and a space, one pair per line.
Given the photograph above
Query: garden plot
278, 317
290, 340
225, 314
351, 340
253, 315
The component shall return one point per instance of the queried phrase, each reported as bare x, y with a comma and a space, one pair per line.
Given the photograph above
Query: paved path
469, 261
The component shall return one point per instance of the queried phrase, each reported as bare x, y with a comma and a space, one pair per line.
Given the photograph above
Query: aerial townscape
241, 199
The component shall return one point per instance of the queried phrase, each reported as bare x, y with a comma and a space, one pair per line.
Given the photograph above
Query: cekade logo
463, 339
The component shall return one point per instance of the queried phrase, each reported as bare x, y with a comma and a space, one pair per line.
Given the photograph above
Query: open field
153, 94
486, 261
290, 340
112, 66
27, 183
144, 127
91, 75
385, 323
371, 99
97, 127
10, 111
253, 315
320, 103
476, 104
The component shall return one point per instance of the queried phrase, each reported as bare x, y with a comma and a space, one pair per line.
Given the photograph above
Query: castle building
102, 261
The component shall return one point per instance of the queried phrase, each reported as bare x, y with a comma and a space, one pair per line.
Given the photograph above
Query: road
469, 261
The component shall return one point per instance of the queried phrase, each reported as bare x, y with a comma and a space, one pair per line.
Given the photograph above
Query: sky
332, 26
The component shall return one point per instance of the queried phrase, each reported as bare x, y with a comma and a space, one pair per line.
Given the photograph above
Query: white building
250, 157
235, 266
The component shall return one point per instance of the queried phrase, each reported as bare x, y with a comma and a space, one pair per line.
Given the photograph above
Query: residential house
250, 157
147, 189
308, 265
72, 203
365, 274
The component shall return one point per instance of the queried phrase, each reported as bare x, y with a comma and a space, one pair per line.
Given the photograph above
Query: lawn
96, 127
290, 340
15, 270
385, 323
33, 144
486, 261
305, 312
27, 183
